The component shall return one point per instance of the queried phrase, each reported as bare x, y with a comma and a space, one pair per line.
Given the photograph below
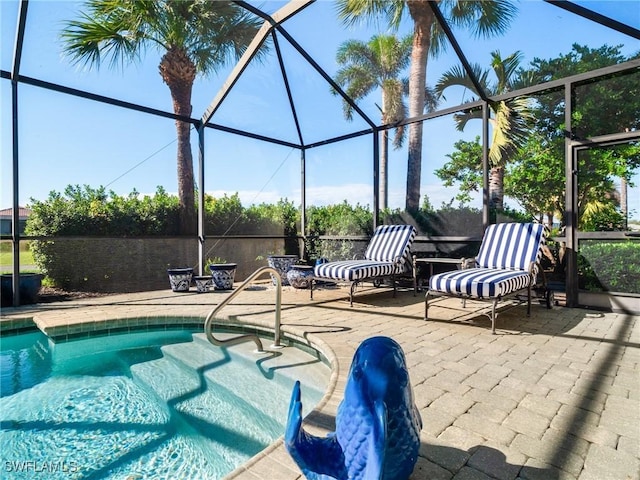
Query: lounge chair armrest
467, 263
397, 262
534, 269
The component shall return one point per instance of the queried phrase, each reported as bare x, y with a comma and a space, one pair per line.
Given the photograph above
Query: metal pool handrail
208, 323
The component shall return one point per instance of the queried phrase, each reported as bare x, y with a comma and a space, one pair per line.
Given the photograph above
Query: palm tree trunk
423, 19
179, 73
186, 182
496, 188
549, 223
384, 171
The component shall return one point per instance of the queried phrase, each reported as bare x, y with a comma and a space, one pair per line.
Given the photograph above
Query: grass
6, 257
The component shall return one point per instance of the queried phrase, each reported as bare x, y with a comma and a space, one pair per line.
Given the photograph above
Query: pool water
149, 405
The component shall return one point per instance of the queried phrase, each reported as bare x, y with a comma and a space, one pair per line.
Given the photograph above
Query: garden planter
29, 286
300, 276
180, 279
203, 283
223, 275
282, 264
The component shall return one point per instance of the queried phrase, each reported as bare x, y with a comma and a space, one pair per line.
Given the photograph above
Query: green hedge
84, 211
609, 266
88, 211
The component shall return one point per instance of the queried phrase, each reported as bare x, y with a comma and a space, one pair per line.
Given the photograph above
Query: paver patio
553, 396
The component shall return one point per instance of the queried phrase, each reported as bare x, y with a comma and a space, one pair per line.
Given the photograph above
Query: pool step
211, 409
208, 426
290, 361
218, 365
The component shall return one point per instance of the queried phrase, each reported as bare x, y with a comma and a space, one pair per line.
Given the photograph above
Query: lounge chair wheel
550, 298
377, 282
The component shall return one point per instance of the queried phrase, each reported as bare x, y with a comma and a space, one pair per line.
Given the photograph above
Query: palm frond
352, 12
457, 76
400, 113
525, 78
219, 33
505, 69
461, 119
357, 82
355, 52
393, 108
511, 126
439, 42
430, 99
210, 33
389, 54
89, 40
485, 18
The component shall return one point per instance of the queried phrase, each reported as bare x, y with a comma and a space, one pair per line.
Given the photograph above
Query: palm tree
196, 37
511, 118
371, 65
484, 18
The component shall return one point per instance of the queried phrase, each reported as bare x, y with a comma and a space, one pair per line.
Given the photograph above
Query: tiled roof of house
22, 211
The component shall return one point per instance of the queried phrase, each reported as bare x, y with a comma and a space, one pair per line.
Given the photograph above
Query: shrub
340, 220
609, 266
88, 211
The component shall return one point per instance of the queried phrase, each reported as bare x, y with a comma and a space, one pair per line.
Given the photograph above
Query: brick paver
553, 396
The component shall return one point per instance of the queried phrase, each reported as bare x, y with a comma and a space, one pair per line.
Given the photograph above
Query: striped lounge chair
387, 255
508, 263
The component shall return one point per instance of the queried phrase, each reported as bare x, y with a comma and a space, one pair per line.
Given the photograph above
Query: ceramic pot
29, 286
299, 276
223, 275
180, 279
282, 263
203, 284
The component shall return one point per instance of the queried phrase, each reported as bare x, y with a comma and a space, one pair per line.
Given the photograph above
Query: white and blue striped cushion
511, 246
480, 282
388, 244
503, 262
353, 270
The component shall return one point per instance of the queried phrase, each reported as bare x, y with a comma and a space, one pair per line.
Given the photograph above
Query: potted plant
312, 247
222, 273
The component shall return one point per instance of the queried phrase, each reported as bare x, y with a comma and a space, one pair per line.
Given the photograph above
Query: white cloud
326, 195
353, 193
249, 197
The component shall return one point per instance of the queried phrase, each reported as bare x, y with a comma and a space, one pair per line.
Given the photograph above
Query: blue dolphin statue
377, 424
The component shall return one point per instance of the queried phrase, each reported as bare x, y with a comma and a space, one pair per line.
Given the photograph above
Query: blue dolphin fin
318, 458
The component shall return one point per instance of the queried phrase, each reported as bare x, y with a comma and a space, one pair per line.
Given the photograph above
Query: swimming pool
154, 404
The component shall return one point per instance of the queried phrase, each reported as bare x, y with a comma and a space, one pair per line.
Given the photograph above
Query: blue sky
67, 140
